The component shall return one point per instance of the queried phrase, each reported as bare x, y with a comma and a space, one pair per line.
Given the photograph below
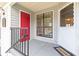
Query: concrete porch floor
40, 48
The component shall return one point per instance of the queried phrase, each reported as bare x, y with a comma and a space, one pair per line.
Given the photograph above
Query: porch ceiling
2, 4
37, 6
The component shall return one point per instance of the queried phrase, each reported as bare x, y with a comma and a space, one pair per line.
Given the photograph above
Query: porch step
12, 52
15, 53
9, 54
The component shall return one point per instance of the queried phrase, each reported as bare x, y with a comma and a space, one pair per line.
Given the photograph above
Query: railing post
28, 48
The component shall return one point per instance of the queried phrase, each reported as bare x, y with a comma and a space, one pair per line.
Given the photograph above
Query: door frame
20, 17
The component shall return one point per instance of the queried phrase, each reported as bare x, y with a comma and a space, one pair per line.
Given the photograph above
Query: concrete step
9, 54
15, 53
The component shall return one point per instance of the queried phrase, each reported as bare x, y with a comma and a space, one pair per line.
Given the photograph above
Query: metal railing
18, 34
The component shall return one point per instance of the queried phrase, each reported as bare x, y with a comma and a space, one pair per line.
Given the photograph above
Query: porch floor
40, 48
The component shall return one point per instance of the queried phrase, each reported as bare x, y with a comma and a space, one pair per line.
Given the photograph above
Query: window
44, 24
66, 13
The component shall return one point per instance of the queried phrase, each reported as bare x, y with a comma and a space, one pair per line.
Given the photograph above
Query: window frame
51, 27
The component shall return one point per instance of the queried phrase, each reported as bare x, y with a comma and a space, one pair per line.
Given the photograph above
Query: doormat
63, 51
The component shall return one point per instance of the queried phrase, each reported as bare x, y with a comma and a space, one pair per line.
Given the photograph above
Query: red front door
25, 23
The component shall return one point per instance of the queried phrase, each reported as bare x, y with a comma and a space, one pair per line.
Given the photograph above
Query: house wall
76, 21
5, 32
55, 23
51, 40
12, 20
64, 36
15, 16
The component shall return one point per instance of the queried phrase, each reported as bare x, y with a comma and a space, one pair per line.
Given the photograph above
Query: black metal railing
18, 34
